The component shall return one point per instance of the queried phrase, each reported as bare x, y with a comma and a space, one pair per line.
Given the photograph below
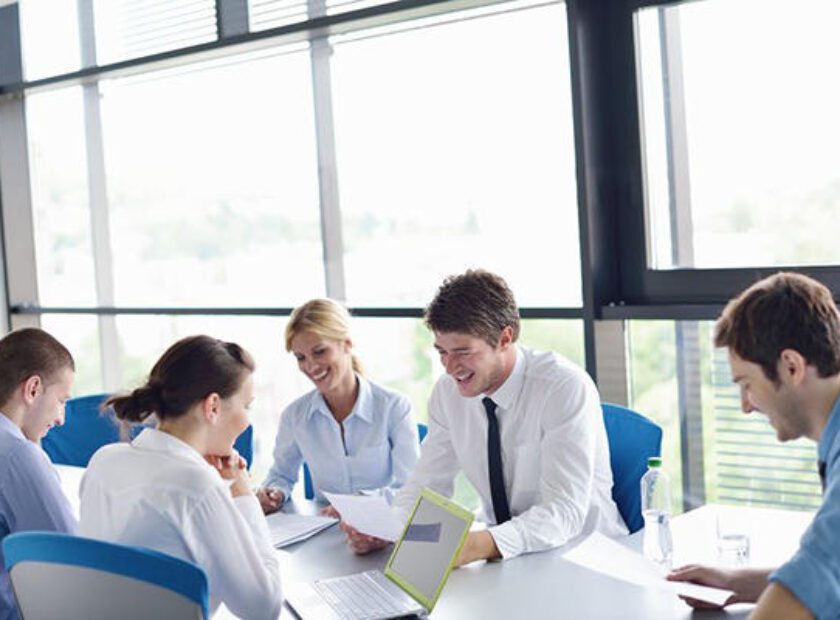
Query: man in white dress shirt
524, 426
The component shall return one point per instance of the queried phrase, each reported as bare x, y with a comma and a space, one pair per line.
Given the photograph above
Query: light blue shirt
30, 498
379, 450
813, 574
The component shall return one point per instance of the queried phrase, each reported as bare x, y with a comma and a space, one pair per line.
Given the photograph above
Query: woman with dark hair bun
181, 488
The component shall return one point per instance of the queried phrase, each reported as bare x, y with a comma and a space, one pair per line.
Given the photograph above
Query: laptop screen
427, 550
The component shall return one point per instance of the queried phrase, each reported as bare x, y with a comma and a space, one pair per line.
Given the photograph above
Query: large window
213, 195
207, 183
740, 132
64, 252
50, 44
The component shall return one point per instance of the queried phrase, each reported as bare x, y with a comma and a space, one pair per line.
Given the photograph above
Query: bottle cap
655, 461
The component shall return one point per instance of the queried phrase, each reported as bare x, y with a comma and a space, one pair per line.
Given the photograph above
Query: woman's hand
232, 467
270, 498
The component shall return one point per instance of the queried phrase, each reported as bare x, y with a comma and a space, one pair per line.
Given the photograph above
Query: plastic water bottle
656, 510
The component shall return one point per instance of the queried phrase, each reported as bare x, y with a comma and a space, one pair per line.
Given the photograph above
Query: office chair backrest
632, 439
309, 488
62, 576
244, 444
86, 429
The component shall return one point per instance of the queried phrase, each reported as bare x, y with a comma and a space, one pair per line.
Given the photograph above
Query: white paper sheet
370, 515
286, 528
606, 556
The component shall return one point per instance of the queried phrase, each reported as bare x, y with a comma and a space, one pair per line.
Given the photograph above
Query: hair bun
139, 404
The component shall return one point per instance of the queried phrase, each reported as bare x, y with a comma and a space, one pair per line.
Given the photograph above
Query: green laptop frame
451, 507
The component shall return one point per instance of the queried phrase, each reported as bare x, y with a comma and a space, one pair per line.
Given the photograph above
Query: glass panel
80, 334
453, 155
49, 32
399, 354
654, 392
61, 215
214, 198
134, 28
564, 336
265, 14
750, 132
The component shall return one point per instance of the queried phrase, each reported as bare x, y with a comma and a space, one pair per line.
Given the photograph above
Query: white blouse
159, 493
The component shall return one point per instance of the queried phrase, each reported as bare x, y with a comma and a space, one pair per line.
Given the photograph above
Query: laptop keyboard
360, 596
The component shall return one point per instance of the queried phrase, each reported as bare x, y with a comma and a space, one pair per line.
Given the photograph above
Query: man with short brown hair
36, 378
524, 426
783, 337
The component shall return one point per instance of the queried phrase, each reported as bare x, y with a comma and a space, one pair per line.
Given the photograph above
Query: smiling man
36, 378
525, 427
783, 337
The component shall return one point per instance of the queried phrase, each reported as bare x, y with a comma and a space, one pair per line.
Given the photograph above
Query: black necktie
494, 462
822, 474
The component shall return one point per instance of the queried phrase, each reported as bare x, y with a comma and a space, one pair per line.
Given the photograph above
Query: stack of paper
286, 529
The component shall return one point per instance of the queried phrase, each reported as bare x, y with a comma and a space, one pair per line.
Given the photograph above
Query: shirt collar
6, 425
505, 396
828, 440
362, 408
157, 441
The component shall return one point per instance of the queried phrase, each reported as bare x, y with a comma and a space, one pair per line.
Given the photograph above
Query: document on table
286, 528
370, 514
606, 556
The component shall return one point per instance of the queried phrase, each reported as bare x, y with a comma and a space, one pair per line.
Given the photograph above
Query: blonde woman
354, 435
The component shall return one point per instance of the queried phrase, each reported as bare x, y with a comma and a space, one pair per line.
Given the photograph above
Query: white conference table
545, 584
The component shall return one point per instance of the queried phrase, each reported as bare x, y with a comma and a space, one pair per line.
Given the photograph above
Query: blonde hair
325, 318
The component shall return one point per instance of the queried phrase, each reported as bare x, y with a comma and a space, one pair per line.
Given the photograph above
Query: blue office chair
244, 444
309, 488
57, 575
632, 439
86, 429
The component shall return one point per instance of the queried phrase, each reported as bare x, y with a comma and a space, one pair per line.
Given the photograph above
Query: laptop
414, 576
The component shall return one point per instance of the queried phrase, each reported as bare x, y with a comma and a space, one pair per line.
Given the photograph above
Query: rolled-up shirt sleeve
571, 412
813, 573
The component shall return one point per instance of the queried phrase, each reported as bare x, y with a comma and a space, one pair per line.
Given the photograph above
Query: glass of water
733, 541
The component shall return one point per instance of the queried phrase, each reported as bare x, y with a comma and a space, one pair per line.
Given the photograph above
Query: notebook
413, 578
288, 528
